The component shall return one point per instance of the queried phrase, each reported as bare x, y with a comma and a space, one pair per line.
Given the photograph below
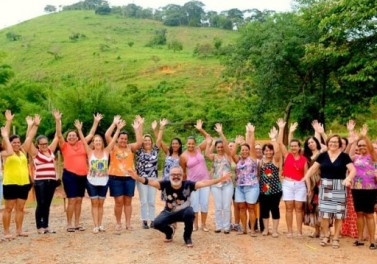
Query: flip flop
80, 228
71, 229
23, 234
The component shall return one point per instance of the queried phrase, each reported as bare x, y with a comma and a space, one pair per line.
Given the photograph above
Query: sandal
96, 230
358, 243
325, 241
253, 234
71, 229
335, 243
372, 246
80, 228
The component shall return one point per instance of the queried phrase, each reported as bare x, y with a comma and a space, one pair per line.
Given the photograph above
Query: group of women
311, 183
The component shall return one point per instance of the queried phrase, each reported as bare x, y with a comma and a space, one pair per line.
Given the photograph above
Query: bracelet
146, 181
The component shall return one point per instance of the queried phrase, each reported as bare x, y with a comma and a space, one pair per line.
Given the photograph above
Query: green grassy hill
102, 71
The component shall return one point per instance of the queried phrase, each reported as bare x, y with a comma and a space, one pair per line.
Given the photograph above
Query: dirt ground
147, 246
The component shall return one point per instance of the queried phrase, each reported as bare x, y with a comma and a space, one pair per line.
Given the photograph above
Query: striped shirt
45, 166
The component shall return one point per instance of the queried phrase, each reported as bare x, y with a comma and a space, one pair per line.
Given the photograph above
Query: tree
158, 39
174, 15
194, 12
50, 9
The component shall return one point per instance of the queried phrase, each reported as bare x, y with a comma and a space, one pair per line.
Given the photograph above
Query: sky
16, 11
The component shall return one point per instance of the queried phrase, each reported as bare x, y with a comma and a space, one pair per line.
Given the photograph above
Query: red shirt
294, 169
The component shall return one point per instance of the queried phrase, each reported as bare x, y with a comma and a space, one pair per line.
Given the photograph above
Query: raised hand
116, 119
29, 121
281, 123
97, 117
78, 124
320, 128
121, 123
57, 115
37, 120
163, 122
4, 132
199, 124
219, 128
139, 119
364, 130
250, 128
154, 125
315, 125
239, 140
8, 115
273, 133
293, 127
351, 125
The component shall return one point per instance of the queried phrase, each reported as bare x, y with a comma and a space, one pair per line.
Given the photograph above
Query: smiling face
219, 147
258, 151
176, 177
294, 147
98, 142
334, 143
191, 144
122, 140
42, 144
72, 137
16, 144
175, 145
245, 151
268, 152
147, 143
312, 144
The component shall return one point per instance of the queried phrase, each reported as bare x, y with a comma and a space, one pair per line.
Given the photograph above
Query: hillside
107, 56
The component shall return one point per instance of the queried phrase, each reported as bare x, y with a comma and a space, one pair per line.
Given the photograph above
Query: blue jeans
147, 196
44, 192
199, 200
222, 197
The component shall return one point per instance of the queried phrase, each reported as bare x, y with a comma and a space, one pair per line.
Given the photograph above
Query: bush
175, 45
158, 39
13, 36
203, 50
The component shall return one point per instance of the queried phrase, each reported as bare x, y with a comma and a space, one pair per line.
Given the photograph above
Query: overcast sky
16, 11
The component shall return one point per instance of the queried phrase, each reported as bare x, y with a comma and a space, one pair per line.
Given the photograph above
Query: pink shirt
365, 177
197, 168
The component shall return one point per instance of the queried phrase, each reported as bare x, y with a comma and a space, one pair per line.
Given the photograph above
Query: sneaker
95, 230
188, 243
152, 224
101, 229
144, 225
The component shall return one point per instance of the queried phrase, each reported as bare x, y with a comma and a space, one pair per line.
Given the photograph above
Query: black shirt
336, 169
176, 199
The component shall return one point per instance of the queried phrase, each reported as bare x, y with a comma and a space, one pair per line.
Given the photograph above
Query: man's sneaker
152, 224
144, 225
189, 243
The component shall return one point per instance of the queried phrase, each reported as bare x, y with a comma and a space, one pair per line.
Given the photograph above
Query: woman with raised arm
121, 185
270, 185
222, 192
294, 189
45, 176
364, 189
146, 166
75, 172
333, 165
312, 148
195, 169
98, 175
16, 182
247, 189
172, 152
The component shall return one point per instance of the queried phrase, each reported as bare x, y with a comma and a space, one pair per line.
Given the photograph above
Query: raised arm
58, 126
110, 145
352, 137
292, 129
219, 130
160, 133
96, 119
239, 140
183, 164
110, 130
250, 129
28, 145
29, 123
138, 128
8, 120
7, 147
78, 126
277, 152
199, 127
281, 124
164, 147
209, 148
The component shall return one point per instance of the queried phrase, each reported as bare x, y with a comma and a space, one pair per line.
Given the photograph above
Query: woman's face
98, 143
147, 143
72, 138
190, 144
231, 146
375, 147
344, 145
268, 153
175, 145
220, 148
122, 140
312, 144
333, 144
245, 152
295, 148
258, 151
362, 146
42, 144
16, 144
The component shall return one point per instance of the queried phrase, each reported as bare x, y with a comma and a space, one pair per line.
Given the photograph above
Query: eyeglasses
334, 142
175, 174
43, 144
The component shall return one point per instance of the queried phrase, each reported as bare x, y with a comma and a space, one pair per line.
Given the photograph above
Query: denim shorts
120, 186
248, 194
74, 185
96, 191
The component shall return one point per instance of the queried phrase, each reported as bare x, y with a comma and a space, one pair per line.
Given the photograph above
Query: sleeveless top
365, 177
146, 163
16, 170
294, 169
44, 166
75, 159
121, 161
246, 172
220, 166
269, 178
98, 170
197, 168
169, 163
